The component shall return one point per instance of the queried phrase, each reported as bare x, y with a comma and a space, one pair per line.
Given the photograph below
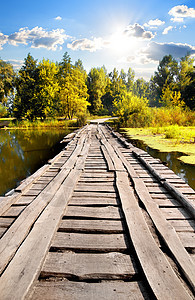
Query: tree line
47, 89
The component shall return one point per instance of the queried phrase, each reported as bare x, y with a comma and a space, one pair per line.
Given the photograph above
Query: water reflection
22, 152
185, 171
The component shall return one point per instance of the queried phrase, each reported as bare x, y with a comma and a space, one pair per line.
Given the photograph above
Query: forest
46, 89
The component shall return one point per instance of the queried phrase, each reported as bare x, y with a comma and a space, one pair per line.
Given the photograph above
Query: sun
120, 43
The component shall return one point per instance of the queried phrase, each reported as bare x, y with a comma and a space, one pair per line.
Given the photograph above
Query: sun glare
121, 43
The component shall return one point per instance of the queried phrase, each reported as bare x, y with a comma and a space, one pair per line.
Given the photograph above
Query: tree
167, 73
7, 76
130, 80
186, 82
73, 94
26, 84
46, 89
96, 82
141, 88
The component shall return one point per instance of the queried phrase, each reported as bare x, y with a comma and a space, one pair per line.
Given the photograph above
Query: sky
121, 34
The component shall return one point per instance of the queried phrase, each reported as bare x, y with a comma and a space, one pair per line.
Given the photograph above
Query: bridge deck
101, 220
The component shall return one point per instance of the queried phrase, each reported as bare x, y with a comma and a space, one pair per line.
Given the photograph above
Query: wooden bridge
101, 220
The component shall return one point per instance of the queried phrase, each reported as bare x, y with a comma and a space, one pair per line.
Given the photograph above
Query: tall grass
26, 124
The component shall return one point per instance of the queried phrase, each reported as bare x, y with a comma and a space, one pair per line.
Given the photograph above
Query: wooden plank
25, 200
87, 266
90, 201
181, 197
167, 232
95, 188
109, 212
94, 194
2, 231
175, 213
20, 228
188, 240
159, 273
25, 266
108, 290
95, 226
14, 211
97, 175
107, 158
183, 225
35, 176
6, 222
89, 242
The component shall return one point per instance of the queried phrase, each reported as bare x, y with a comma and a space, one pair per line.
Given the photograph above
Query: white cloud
155, 51
38, 38
86, 44
167, 29
16, 63
182, 11
3, 40
154, 23
58, 18
138, 31
177, 19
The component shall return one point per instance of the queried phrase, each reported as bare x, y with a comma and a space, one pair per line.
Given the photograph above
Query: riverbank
167, 139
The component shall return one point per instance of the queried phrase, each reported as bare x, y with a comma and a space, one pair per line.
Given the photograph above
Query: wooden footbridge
101, 220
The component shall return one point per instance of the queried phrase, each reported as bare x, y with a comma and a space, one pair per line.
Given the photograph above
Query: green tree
46, 90
186, 82
96, 82
73, 94
130, 80
167, 73
26, 84
6, 80
141, 88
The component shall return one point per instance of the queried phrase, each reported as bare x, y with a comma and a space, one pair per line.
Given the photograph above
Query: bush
3, 111
132, 111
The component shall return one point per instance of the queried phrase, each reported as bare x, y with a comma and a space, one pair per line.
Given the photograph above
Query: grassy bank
50, 123
168, 139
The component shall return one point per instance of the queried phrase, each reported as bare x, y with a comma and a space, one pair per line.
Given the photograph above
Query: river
22, 152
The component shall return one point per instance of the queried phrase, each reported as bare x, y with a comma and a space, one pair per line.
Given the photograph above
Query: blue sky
119, 34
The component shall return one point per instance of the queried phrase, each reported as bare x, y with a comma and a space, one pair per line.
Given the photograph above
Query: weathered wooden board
25, 200
90, 201
108, 290
32, 192
175, 213
89, 242
87, 266
38, 186
109, 212
6, 222
97, 175
2, 231
183, 225
188, 240
167, 202
25, 266
94, 194
88, 226
160, 275
95, 188
14, 211
96, 180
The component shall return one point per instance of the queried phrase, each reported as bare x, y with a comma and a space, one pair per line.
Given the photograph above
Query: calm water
22, 152
186, 172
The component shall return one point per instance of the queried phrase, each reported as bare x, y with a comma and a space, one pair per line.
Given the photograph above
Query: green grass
168, 139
